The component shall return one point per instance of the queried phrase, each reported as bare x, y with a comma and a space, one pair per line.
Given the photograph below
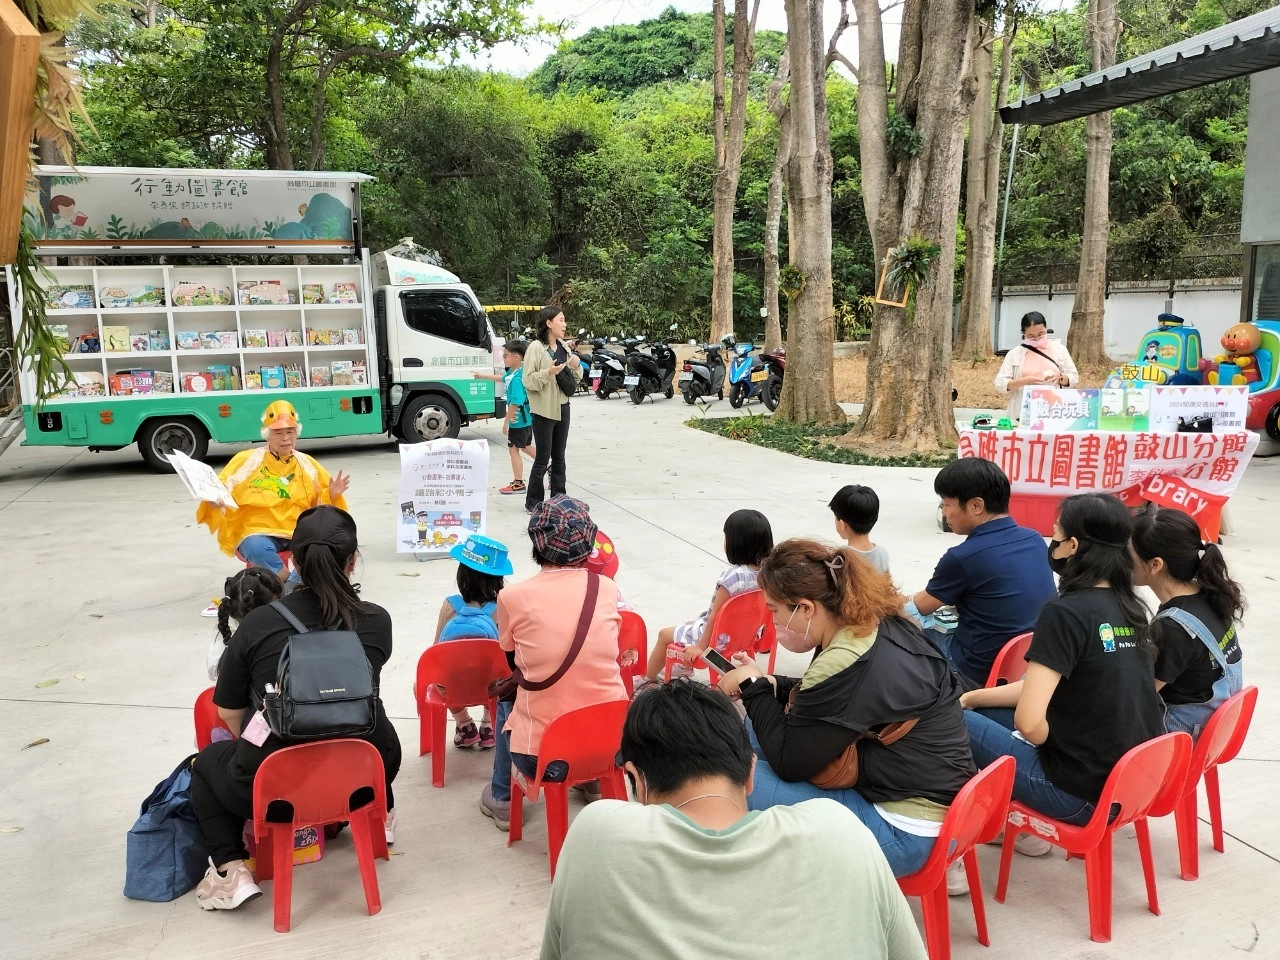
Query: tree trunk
982, 198
773, 206
809, 394
909, 359
728, 145
279, 156
1086, 340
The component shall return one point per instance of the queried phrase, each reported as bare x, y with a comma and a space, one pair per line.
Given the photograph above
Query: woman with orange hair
875, 723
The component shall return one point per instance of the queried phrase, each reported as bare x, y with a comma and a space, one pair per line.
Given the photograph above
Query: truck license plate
631, 381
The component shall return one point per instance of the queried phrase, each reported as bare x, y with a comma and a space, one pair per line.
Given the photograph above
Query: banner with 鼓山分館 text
443, 494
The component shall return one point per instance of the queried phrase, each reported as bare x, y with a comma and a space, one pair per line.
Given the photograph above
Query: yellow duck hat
280, 415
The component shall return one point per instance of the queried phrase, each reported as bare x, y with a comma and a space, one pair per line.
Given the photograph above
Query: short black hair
1033, 318
971, 477
856, 505
518, 347
748, 538
682, 731
477, 587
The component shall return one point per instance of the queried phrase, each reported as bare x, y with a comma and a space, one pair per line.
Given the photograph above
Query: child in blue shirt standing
518, 425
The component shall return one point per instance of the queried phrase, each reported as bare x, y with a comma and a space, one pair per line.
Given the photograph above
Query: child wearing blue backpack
468, 614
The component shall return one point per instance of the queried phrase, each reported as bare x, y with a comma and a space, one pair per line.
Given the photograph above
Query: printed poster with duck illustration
141, 207
443, 495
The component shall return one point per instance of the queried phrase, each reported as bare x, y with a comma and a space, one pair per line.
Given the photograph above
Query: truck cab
433, 334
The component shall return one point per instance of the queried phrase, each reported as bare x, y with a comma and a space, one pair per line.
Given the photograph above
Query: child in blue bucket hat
468, 614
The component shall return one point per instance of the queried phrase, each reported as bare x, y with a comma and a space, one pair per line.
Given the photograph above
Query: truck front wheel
161, 436
430, 417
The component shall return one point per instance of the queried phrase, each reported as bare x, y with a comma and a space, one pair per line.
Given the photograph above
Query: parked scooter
704, 376
775, 361
576, 345
609, 365
651, 372
747, 375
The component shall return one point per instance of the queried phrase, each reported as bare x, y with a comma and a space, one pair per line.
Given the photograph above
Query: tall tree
773, 205
728, 140
982, 193
806, 280
1086, 339
911, 173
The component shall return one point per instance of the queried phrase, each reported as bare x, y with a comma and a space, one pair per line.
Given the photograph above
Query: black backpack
325, 687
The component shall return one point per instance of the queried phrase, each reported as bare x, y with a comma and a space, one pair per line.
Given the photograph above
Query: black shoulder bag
324, 685
566, 379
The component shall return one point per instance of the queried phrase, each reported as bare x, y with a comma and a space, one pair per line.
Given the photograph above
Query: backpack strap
285, 612
1196, 627
584, 624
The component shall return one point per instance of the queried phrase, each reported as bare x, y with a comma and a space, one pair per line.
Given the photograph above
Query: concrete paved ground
106, 574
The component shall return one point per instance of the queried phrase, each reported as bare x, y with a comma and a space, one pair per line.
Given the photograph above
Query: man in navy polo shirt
997, 580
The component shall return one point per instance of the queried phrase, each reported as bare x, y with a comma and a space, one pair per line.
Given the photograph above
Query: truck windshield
446, 313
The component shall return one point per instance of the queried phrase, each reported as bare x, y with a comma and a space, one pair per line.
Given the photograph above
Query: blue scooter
747, 375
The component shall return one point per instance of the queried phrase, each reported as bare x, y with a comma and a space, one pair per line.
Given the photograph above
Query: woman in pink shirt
537, 620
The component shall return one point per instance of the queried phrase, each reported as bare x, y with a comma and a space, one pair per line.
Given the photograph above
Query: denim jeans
503, 758
259, 550
990, 739
906, 852
550, 438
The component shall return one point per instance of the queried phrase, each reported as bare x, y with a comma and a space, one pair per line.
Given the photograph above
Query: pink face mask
794, 642
1040, 343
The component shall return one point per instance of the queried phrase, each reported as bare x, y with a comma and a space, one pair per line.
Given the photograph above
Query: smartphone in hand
717, 660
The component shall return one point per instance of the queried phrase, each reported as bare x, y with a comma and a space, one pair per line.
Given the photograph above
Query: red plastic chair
743, 618
207, 719
1219, 742
1011, 662
587, 739
976, 816
318, 779
464, 668
633, 635
1136, 782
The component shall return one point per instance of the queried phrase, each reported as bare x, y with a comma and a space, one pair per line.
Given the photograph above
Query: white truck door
437, 333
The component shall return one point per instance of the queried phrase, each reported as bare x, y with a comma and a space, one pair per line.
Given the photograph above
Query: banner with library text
444, 487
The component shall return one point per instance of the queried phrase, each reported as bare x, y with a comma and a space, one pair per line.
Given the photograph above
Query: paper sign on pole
443, 494
1228, 406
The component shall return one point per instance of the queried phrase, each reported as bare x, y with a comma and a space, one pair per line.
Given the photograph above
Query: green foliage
904, 139
35, 342
910, 263
807, 440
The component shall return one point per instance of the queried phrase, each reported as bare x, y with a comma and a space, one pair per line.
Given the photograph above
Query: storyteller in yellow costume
271, 485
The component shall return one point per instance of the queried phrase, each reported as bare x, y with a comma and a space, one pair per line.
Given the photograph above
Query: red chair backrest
464, 668
587, 739
1011, 662
1219, 742
207, 719
1140, 778
318, 779
977, 815
633, 634
741, 617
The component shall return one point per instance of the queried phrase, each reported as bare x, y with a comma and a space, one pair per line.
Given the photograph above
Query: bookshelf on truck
195, 314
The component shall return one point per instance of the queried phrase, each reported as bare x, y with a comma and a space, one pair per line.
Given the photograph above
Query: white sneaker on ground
390, 826
210, 611
227, 891
1027, 844
957, 880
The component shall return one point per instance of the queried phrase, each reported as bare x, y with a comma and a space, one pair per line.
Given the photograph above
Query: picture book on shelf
359, 373
159, 339
351, 335
313, 293
225, 376
293, 376
161, 381
252, 380
272, 378
116, 339
62, 333
140, 343
293, 338
190, 294
188, 340
197, 382
344, 292
277, 338
255, 338
70, 296
341, 373
263, 293
321, 376
131, 295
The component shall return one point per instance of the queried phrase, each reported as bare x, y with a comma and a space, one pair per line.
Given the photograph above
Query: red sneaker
515, 486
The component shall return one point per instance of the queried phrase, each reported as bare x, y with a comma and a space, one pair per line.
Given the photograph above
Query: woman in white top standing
1036, 362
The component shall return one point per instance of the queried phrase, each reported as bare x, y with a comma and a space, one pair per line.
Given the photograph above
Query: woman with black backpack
325, 548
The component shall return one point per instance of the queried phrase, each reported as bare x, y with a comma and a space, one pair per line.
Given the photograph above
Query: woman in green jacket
547, 357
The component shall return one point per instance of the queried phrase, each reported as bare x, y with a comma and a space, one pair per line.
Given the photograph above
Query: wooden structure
19, 53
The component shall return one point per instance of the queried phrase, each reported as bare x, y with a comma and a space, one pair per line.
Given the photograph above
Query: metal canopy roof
1246, 46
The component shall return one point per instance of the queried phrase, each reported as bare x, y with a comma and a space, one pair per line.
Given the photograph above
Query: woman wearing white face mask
875, 722
1036, 362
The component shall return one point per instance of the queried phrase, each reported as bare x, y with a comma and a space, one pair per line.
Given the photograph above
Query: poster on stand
1125, 408
443, 489
1226, 406
1054, 410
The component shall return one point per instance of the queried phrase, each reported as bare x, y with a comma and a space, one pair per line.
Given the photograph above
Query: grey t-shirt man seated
640, 881
997, 579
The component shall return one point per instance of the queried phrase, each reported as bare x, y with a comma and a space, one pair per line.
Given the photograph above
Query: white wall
1129, 313
1260, 216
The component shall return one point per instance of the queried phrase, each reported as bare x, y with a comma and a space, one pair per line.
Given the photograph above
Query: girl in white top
1037, 361
748, 538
